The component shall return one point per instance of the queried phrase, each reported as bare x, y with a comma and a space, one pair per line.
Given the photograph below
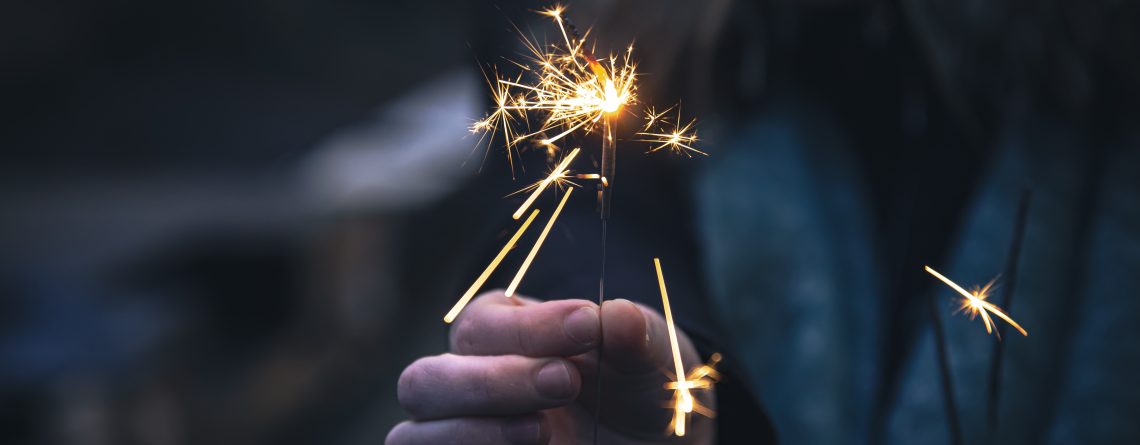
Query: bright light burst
569, 90
666, 133
702, 377
559, 176
565, 82
975, 304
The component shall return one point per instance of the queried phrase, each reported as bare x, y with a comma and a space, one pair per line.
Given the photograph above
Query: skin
521, 371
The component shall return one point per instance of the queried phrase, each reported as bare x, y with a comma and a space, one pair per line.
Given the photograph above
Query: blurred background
236, 221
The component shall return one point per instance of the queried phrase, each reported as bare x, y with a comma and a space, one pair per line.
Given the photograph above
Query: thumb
637, 362
636, 340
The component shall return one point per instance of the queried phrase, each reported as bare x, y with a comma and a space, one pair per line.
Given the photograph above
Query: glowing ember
975, 303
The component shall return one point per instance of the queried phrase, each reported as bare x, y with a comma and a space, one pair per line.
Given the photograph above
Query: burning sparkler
571, 90
564, 89
975, 303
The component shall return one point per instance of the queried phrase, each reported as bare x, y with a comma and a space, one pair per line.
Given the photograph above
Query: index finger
495, 324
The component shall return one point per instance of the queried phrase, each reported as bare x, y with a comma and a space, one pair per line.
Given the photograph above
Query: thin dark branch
951, 404
1010, 274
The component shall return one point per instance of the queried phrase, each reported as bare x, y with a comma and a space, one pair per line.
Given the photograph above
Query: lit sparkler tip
554, 11
975, 304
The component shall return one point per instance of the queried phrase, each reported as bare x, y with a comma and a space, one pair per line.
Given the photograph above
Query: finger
497, 325
637, 340
454, 385
636, 361
523, 430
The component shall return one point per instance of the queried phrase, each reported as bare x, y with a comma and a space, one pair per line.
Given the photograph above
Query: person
521, 371
855, 144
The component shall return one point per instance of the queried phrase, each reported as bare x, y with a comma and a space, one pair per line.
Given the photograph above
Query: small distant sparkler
975, 304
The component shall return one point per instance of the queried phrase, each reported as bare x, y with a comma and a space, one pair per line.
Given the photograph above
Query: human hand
524, 372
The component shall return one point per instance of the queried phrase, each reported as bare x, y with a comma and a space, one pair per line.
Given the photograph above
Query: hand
523, 372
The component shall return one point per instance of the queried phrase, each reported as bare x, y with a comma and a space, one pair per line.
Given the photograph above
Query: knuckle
465, 332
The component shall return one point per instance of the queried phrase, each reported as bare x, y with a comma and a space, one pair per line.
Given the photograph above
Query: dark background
236, 221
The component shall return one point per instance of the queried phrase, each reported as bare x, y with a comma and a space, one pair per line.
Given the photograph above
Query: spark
559, 173
975, 303
454, 312
537, 245
682, 397
679, 139
703, 378
652, 116
564, 83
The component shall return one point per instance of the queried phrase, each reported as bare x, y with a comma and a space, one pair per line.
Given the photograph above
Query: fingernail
583, 326
644, 322
524, 431
553, 381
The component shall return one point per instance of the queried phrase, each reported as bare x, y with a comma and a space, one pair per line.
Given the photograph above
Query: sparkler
537, 245
975, 303
565, 89
574, 90
454, 312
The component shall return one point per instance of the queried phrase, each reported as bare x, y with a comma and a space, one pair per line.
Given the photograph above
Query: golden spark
454, 312
566, 83
975, 303
563, 89
557, 176
682, 397
703, 377
537, 245
678, 139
